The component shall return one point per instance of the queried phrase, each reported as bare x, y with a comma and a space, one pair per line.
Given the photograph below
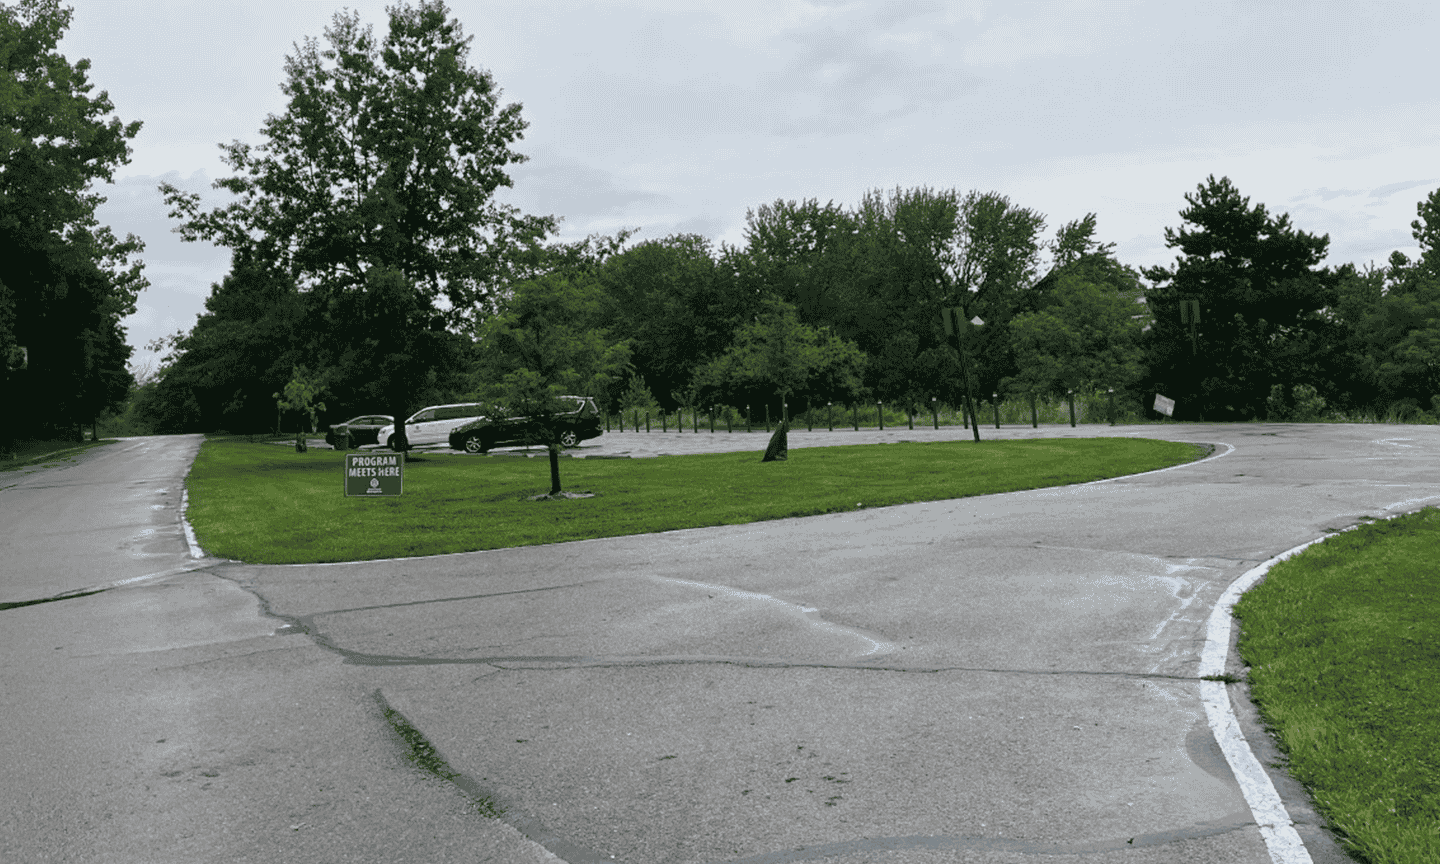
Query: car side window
423, 416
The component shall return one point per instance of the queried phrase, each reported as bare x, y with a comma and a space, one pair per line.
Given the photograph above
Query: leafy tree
777, 356
302, 393
1260, 294
545, 343
1085, 339
65, 281
387, 157
1401, 336
241, 349
677, 305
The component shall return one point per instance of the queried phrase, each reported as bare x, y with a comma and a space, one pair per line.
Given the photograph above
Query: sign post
1164, 406
374, 475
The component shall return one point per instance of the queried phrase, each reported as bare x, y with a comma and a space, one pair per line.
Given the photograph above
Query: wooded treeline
830, 303
374, 267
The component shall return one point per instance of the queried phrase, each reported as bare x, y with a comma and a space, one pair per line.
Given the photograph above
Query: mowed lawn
1343, 644
263, 503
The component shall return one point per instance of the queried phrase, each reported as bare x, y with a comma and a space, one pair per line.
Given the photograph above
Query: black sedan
572, 427
363, 429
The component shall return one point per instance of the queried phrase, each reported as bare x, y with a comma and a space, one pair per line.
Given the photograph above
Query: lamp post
954, 321
830, 415
880, 414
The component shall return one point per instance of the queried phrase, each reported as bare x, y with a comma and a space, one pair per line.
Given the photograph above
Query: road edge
1276, 826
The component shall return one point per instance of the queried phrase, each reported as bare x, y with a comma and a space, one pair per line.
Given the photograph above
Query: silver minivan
432, 425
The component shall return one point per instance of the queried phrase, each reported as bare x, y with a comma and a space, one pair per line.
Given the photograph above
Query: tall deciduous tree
65, 280
1260, 290
1085, 338
388, 156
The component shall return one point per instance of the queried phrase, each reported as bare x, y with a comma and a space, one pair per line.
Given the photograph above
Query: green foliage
676, 304
65, 281
1260, 290
302, 394
1085, 337
775, 357
373, 199
1305, 405
389, 154
545, 343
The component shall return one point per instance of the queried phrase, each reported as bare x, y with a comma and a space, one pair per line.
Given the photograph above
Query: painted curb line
1276, 826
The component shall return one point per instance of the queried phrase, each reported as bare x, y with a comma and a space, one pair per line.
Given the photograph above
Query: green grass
263, 503
28, 453
1343, 641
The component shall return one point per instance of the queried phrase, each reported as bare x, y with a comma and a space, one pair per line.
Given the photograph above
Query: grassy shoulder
28, 453
1343, 643
263, 503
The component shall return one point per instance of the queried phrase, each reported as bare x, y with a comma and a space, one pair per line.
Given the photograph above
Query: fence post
1112, 406
1071, 397
809, 421
855, 414
1034, 412
748, 427
935, 412
910, 415
880, 414
712, 419
995, 401
830, 415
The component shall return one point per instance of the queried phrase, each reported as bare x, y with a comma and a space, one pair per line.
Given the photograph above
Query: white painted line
1276, 827
195, 550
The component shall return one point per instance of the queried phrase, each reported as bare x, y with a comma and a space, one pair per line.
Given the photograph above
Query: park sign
1164, 406
374, 474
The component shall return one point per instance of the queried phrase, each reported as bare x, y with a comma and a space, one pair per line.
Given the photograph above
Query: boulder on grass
778, 447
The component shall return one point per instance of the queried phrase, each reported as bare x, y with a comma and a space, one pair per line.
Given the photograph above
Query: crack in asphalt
68, 595
443, 599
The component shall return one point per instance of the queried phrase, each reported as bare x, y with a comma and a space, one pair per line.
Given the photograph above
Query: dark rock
778, 446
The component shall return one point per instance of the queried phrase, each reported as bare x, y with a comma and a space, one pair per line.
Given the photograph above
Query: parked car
431, 425
575, 426
364, 429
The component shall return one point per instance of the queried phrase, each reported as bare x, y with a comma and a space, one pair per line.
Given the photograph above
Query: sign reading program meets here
374, 474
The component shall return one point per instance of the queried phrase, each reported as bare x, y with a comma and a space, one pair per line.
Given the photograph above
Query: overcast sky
677, 116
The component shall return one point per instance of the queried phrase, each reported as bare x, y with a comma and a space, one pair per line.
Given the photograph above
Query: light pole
954, 321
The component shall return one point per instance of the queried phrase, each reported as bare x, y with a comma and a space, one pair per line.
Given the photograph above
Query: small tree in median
300, 395
543, 345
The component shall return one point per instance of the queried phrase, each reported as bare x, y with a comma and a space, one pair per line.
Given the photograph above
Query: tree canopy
65, 280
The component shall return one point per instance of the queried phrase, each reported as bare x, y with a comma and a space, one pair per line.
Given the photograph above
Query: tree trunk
554, 468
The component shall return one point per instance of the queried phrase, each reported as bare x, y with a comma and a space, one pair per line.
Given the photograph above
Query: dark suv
573, 427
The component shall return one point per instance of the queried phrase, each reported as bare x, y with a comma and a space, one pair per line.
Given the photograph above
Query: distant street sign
1164, 406
370, 475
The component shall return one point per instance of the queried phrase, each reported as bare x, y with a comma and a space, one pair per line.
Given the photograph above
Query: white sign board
1164, 406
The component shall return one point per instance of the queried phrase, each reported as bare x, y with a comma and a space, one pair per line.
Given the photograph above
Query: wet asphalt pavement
985, 679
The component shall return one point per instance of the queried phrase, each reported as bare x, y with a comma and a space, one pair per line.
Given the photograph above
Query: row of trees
65, 280
370, 256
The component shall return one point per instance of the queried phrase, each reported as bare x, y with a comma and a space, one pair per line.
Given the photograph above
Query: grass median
1343, 644
262, 503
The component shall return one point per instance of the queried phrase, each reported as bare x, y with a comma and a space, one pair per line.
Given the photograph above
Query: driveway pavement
985, 679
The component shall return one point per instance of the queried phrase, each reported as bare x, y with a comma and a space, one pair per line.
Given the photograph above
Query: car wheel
569, 438
475, 444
